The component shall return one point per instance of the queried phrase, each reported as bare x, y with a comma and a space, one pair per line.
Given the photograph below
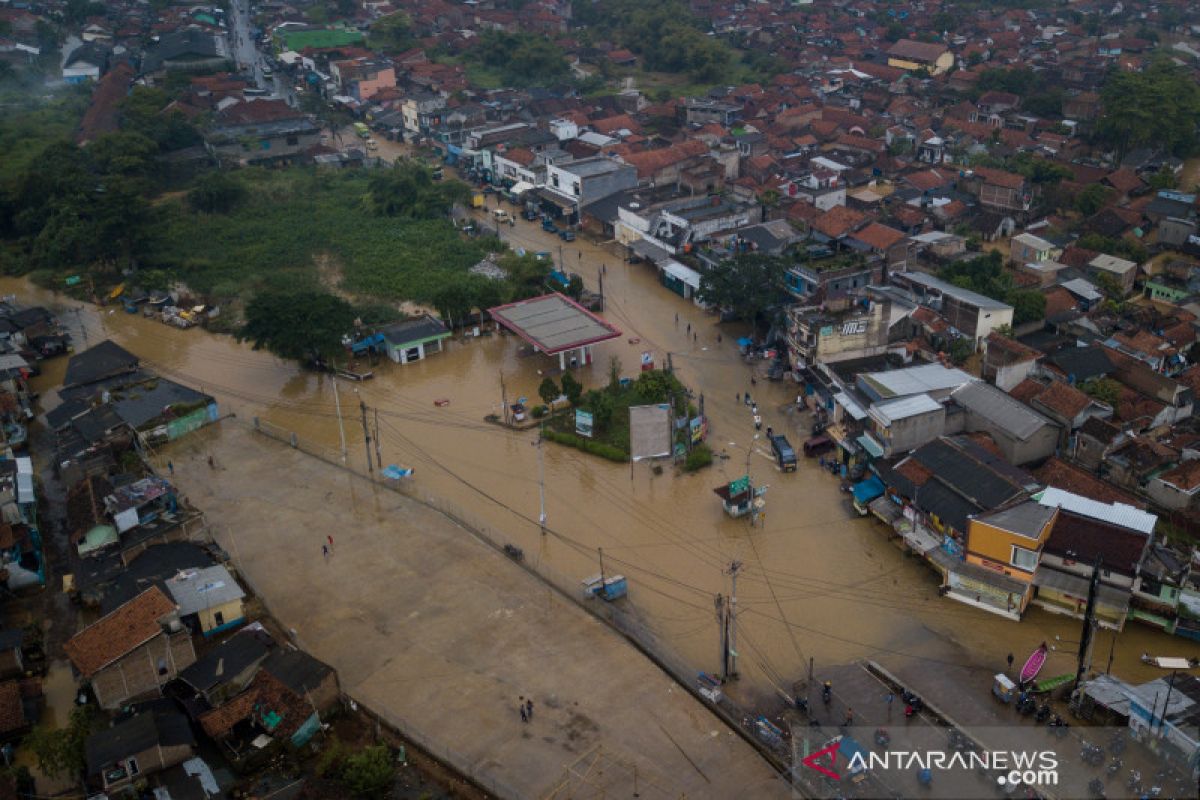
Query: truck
362, 130
784, 454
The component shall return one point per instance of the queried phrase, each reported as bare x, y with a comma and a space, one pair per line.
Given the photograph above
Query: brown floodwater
816, 581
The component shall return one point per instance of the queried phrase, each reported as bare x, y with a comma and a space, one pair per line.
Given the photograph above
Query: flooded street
816, 582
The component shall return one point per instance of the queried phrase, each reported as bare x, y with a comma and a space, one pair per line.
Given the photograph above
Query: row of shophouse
996, 493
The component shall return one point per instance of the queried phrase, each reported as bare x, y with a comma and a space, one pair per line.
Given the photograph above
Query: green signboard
73, 280
738, 486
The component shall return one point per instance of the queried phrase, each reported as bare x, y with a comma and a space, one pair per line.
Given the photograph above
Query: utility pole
1162, 720
1085, 637
601, 276
719, 604
341, 430
734, 568
542, 491
503, 397
378, 456
366, 435
600, 550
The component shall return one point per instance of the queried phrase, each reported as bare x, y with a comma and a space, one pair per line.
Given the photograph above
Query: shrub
537, 412
588, 446
369, 772
700, 457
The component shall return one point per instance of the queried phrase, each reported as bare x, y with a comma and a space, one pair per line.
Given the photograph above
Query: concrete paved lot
441, 634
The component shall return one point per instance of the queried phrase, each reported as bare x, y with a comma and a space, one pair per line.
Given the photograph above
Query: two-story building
973, 314
132, 652
577, 183
1005, 548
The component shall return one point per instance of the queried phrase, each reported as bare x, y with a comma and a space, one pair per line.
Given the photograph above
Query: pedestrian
170, 468
580, 255
689, 327
1010, 661
739, 398
718, 338
677, 320
529, 708
211, 465
695, 337
325, 551
849, 717
524, 715
330, 538
888, 698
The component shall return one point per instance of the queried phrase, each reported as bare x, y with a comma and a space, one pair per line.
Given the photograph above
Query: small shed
414, 339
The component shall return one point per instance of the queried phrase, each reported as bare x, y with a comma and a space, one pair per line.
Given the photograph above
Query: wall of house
1169, 495
136, 676
1063, 603
383, 79
1009, 375
911, 432
991, 547
152, 760
232, 614
967, 588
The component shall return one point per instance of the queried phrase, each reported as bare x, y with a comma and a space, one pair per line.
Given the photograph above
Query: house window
131, 767
1024, 559
218, 618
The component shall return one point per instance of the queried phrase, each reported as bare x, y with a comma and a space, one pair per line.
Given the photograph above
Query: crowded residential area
357, 357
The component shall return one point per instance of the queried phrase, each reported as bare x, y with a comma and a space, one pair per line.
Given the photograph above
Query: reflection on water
817, 581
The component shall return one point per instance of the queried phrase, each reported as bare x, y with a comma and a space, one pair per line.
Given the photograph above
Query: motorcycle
1135, 781
1043, 713
1096, 787
1114, 766
826, 694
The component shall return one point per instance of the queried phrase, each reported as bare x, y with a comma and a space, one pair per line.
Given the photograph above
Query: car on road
500, 215
266, 71
549, 226
784, 454
567, 235
372, 144
530, 214
817, 445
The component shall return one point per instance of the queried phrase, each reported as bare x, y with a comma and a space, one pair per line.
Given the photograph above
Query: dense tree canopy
409, 191
1159, 107
303, 325
667, 36
391, 34
522, 59
748, 285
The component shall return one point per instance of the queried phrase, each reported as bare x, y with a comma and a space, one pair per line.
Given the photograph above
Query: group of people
525, 706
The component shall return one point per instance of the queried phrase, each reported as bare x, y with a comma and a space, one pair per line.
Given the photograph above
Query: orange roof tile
117, 633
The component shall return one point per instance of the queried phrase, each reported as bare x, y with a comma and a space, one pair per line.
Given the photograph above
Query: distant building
973, 314
912, 56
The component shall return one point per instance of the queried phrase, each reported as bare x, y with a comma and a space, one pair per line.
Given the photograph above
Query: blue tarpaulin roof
868, 490
745, 341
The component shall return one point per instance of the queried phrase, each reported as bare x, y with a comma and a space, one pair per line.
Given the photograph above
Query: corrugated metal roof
892, 410
851, 405
915, 380
1114, 513
1025, 519
1009, 414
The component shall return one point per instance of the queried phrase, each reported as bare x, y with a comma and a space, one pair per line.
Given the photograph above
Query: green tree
895, 32
1163, 179
1158, 107
747, 285
961, 349
301, 325
369, 772
1028, 305
548, 390
1092, 198
575, 287
61, 751
217, 193
130, 155
572, 388
454, 301
409, 191
1106, 390
391, 34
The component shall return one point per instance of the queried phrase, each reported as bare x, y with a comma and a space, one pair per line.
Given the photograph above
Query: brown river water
817, 581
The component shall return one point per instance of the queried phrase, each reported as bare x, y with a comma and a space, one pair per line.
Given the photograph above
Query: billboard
649, 431
583, 423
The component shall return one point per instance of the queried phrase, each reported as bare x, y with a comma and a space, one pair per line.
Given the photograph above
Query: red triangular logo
812, 760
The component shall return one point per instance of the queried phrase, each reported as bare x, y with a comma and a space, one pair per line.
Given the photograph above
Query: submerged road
441, 634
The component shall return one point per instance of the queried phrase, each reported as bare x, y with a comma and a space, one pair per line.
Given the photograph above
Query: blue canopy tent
865, 491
